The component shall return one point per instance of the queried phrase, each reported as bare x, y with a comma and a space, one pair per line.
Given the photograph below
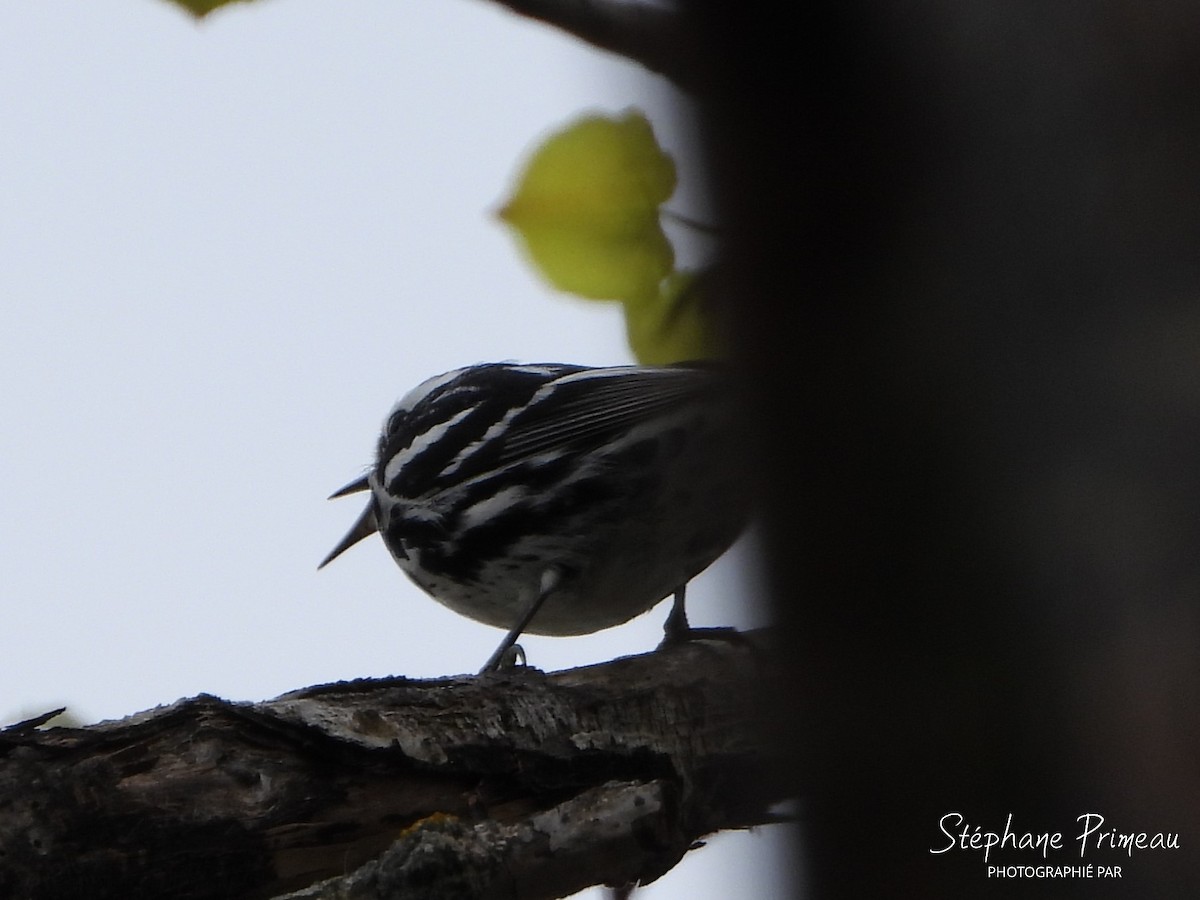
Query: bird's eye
395, 420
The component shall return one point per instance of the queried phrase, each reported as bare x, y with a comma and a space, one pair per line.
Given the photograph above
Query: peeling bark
523, 784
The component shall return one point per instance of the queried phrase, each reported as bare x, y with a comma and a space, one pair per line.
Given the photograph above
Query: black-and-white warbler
557, 499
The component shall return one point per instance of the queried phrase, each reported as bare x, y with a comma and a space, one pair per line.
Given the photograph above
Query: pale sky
225, 249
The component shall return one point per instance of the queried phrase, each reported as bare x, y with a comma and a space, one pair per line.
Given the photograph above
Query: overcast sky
225, 249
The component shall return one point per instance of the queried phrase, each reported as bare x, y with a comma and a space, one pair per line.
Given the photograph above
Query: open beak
364, 526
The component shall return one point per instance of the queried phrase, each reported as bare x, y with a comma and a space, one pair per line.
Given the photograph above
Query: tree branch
659, 38
524, 784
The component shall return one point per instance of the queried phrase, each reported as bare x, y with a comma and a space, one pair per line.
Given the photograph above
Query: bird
557, 499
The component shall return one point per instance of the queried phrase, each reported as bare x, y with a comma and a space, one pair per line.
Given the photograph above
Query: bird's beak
353, 487
364, 527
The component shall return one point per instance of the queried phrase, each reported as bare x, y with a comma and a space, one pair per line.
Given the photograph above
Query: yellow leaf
587, 208
675, 325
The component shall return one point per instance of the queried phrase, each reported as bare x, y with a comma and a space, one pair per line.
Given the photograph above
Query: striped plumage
620, 481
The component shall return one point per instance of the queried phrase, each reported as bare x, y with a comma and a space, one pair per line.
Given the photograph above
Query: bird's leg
550, 580
676, 627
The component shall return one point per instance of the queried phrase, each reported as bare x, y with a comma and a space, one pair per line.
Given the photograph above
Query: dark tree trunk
963, 266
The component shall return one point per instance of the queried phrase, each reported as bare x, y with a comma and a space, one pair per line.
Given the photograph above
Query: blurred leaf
587, 208
675, 325
201, 8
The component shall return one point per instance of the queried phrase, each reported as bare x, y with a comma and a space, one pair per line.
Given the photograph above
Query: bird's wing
587, 408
